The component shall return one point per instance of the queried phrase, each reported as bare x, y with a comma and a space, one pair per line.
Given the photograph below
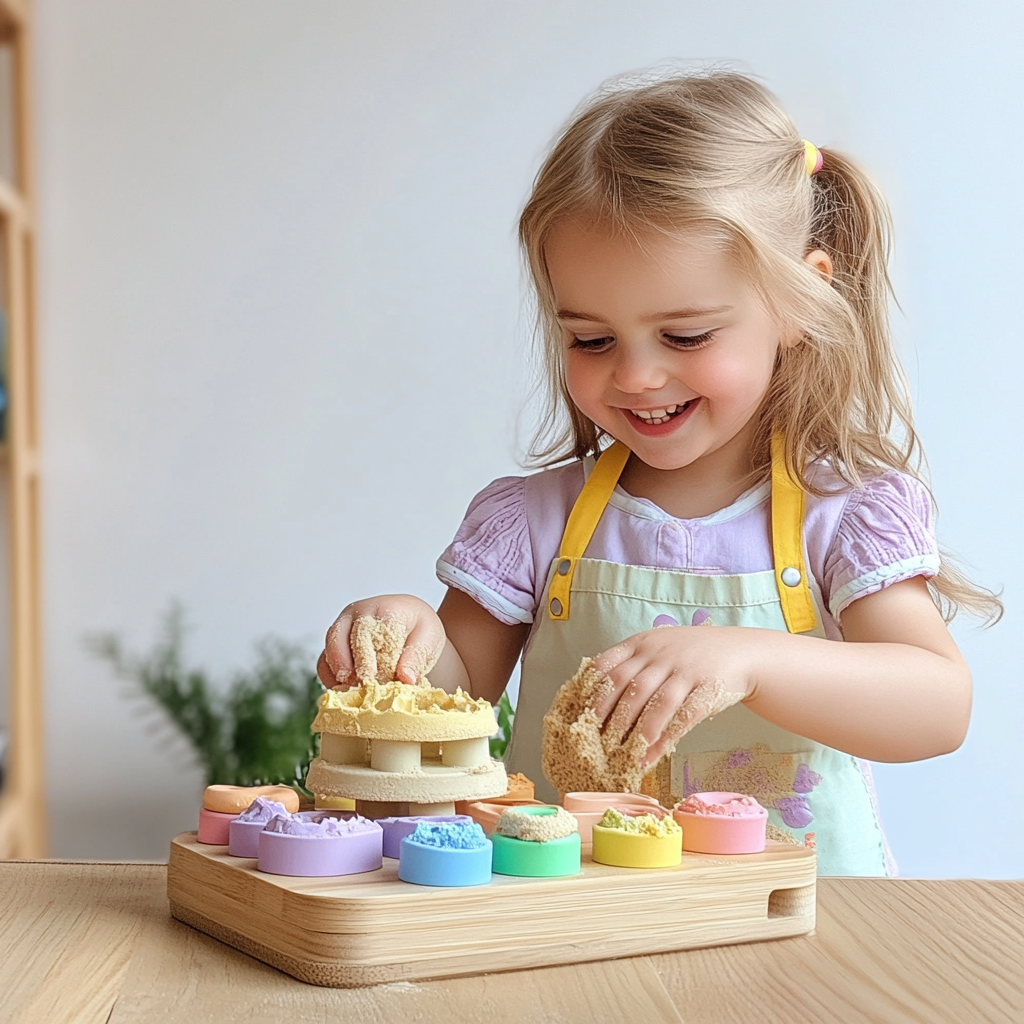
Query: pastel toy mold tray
370, 928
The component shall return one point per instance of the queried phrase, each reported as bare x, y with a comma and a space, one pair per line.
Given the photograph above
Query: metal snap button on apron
564, 566
556, 606
791, 576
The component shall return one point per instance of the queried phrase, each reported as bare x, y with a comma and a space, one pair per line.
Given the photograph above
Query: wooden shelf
13, 15
9, 808
25, 464
22, 801
12, 204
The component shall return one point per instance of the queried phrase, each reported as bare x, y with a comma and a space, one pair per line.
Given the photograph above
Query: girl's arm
481, 651
463, 642
898, 689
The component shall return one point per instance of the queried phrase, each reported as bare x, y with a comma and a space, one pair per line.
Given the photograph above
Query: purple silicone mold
396, 829
319, 844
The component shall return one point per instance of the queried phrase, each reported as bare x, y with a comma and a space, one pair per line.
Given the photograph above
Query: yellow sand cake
398, 711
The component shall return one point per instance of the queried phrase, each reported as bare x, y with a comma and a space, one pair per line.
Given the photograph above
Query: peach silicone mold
235, 799
589, 808
487, 812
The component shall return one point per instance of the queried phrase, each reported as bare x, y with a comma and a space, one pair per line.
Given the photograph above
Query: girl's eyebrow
673, 314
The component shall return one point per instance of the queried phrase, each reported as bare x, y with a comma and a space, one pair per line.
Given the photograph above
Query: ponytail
852, 223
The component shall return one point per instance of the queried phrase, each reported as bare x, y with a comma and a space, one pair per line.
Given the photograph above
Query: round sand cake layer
398, 711
433, 783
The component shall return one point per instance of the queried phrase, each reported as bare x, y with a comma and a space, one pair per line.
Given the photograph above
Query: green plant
253, 732
505, 713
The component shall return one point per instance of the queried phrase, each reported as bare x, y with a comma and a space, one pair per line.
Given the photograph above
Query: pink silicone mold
213, 827
736, 828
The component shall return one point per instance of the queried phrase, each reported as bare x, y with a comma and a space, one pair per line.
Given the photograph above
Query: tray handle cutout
797, 902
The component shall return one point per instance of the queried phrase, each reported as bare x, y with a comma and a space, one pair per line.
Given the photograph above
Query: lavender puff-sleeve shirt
857, 541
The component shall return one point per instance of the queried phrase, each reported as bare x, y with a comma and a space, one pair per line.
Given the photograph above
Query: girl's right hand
423, 645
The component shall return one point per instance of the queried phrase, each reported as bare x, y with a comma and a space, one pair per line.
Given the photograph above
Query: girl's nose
637, 370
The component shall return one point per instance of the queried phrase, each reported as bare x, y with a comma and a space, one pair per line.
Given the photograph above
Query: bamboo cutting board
372, 928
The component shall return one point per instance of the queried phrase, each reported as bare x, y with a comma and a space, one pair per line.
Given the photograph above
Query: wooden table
94, 942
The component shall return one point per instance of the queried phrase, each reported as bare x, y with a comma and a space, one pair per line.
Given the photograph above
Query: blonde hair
714, 151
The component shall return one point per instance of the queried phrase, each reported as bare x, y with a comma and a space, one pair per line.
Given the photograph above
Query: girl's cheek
715, 375
581, 379
730, 377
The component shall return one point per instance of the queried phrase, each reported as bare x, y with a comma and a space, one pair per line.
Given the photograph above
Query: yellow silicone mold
620, 848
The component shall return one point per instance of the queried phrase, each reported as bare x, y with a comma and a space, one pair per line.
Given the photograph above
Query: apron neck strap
582, 523
788, 544
787, 535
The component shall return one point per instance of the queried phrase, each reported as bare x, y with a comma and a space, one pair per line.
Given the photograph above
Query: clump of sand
520, 823
577, 756
377, 644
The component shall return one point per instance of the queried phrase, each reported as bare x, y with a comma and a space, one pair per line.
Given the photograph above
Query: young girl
734, 444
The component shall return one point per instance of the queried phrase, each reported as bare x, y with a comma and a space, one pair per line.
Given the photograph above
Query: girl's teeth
656, 416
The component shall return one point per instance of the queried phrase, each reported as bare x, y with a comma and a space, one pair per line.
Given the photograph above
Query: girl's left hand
652, 673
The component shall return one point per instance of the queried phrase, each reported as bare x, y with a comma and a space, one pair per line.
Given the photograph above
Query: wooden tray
372, 928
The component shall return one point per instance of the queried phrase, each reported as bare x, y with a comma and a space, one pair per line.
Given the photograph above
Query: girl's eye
588, 344
690, 341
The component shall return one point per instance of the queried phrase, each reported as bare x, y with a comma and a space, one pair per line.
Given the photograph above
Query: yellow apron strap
583, 520
787, 535
787, 544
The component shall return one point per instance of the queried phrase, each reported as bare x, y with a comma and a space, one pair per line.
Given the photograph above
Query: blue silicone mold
437, 865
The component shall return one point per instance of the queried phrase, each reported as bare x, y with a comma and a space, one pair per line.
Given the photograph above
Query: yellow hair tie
812, 158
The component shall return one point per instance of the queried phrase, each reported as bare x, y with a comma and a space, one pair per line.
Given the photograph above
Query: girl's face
668, 346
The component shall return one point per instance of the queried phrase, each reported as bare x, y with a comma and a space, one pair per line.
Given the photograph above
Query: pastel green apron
821, 796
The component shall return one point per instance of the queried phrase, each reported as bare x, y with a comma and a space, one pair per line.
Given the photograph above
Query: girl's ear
821, 262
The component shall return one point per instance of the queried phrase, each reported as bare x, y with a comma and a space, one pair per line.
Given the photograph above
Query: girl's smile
668, 348
661, 422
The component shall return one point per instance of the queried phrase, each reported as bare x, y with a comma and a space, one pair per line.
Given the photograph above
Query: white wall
282, 338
